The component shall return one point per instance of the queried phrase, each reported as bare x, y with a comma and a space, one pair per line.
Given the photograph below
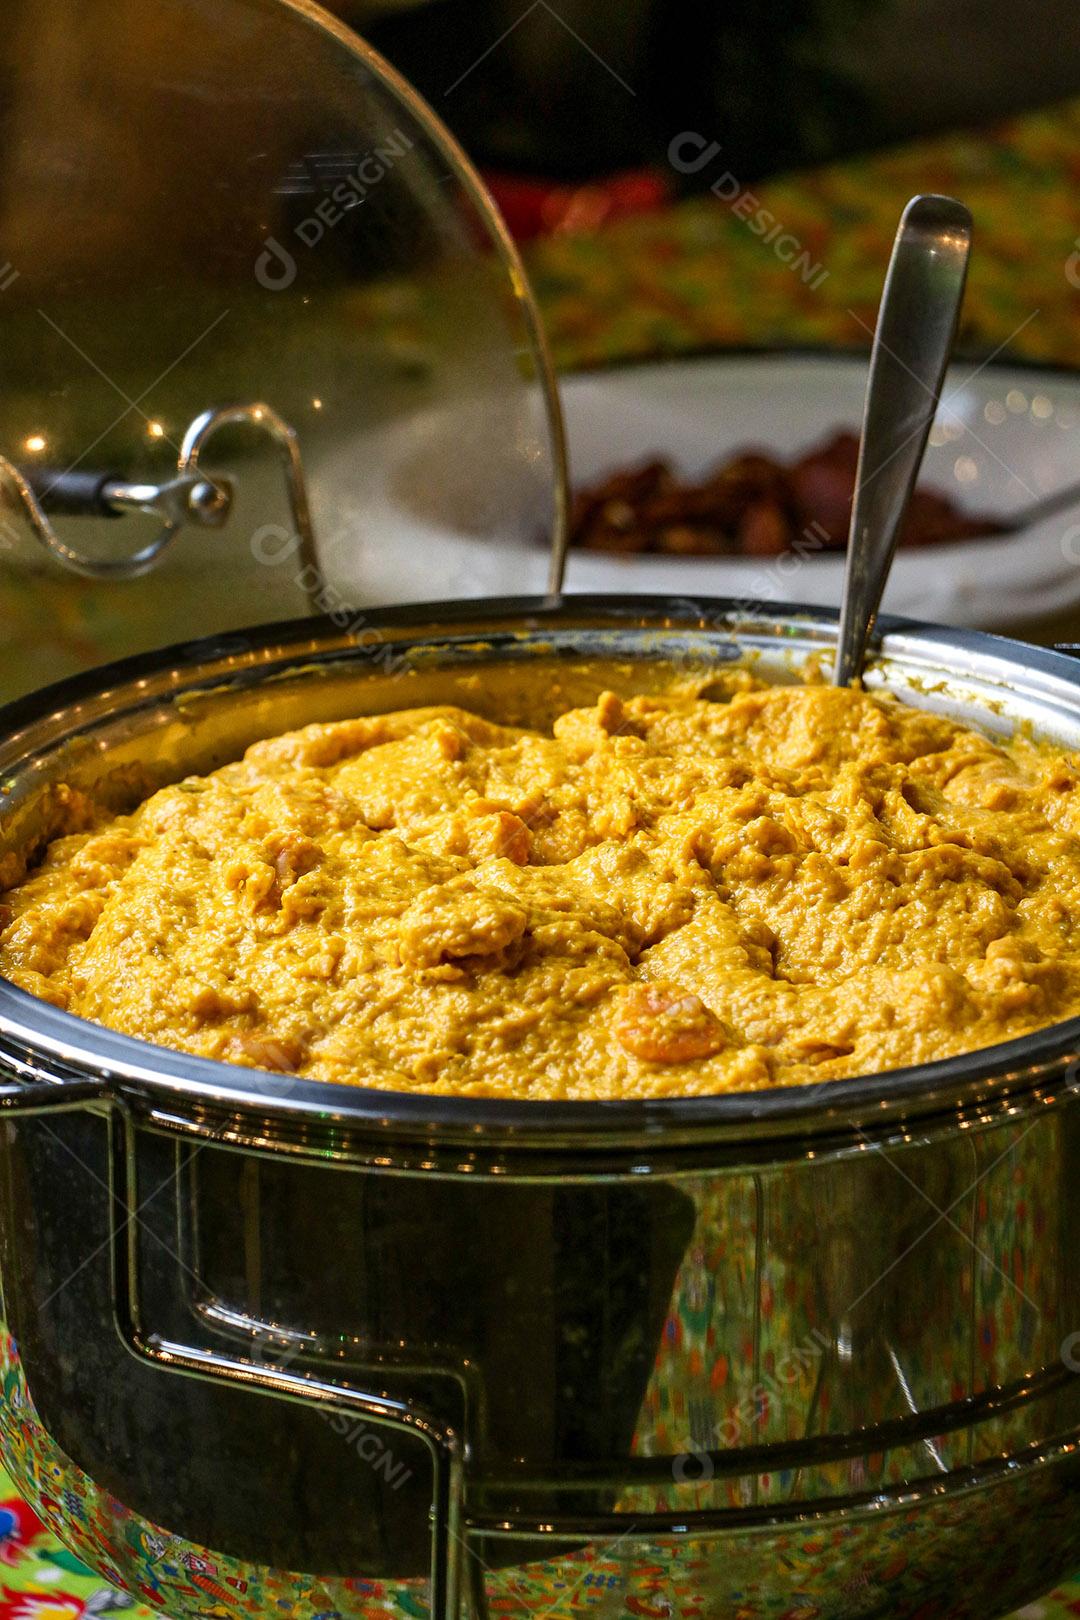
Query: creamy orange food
667, 896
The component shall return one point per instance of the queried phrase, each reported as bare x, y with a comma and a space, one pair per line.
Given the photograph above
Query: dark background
780, 84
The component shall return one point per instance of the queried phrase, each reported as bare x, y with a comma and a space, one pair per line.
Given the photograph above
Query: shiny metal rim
181, 1089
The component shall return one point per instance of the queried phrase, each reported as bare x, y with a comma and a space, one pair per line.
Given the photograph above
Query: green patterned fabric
700, 275
41, 1580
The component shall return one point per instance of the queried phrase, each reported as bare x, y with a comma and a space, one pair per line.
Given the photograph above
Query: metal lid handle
191, 497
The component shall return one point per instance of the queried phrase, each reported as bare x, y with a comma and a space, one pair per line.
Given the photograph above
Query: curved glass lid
211, 205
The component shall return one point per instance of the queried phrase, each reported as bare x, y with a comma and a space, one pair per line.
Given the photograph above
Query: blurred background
781, 86
705, 197
691, 179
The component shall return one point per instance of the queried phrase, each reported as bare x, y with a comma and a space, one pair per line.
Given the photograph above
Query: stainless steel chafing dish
273, 1343
271, 1346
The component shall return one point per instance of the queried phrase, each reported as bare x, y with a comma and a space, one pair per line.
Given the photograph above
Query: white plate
1005, 437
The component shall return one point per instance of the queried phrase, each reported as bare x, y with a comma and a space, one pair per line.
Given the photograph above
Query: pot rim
60, 1045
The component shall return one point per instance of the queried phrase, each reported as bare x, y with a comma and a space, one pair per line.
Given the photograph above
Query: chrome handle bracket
269, 1370
191, 498
27, 1098
266, 420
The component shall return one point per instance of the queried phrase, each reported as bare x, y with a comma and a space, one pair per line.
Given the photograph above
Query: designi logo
1072, 266
275, 268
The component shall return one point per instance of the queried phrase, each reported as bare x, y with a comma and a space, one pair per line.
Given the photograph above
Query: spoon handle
916, 325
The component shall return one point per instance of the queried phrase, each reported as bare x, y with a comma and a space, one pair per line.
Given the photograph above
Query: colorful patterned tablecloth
794, 261
800, 260
41, 1580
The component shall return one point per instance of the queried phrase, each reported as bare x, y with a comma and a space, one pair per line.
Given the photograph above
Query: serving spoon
916, 326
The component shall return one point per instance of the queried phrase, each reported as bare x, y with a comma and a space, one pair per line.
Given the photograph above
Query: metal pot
272, 1344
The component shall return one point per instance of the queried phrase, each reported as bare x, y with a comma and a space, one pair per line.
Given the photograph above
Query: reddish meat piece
750, 504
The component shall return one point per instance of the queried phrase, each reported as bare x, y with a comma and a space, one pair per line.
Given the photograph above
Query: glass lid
262, 336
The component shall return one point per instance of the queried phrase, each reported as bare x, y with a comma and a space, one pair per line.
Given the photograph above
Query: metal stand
275, 1361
